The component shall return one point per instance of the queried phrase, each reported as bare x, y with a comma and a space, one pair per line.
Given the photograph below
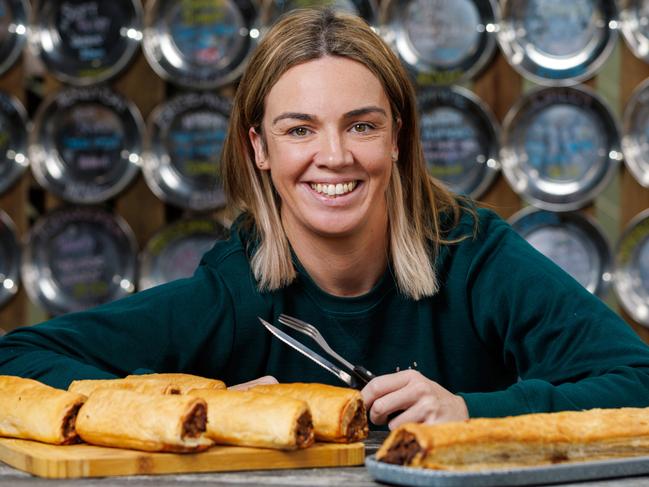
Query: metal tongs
353, 375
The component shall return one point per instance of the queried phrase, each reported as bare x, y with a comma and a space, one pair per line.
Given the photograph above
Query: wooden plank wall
498, 85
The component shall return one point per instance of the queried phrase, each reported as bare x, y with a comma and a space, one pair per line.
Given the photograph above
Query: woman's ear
259, 146
395, 140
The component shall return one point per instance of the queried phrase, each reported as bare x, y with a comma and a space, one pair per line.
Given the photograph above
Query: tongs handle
362, 374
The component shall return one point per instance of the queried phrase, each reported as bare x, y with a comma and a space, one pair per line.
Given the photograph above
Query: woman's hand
416, 398
267, 379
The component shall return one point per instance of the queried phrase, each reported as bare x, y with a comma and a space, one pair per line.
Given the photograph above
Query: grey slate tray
559, 473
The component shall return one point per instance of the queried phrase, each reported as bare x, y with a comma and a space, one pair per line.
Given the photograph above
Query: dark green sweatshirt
509, 330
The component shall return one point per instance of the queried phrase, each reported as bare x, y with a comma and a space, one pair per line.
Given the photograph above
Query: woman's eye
299, 131
361, 127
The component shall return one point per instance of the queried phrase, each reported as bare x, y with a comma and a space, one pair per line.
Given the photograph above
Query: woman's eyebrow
294, 115
364, 111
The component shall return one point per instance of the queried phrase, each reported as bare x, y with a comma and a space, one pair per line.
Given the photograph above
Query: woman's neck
343, 266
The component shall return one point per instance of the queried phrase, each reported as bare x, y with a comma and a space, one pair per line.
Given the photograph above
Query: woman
342, 227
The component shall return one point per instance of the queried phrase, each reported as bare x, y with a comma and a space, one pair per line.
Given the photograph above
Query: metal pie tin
86, 144
13, 31
13, 141
9, 259
557, 42
571, 240
184, 140
84, 42
635, 134
273, 9
176, 250
560, 147
441, 41
460, 138
634, 23
200, 44
632, 268
79, 257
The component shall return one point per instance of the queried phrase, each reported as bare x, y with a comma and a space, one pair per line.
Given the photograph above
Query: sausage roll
338, 412
32, 410
88, 386
247, 418
531, 439
127, 419
183, 383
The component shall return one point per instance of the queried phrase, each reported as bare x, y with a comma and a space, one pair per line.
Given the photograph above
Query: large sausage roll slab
183, 383
532, 439
338, 412
247, 418
32, 410
127, 419
88, 386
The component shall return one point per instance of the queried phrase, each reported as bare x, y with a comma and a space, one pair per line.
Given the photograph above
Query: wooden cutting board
93, 461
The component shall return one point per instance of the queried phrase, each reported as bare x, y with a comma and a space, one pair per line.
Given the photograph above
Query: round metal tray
84, 42
79, 257
9, 259
635, 134
13, 31
459, 136
175, 251
86, 144
560, 147
634, 23
273, 9
184, 140
441, 41
571, 240
200, 45
557, 42
631, 281
13, 141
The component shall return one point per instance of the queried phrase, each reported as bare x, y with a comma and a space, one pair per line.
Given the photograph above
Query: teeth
334, 189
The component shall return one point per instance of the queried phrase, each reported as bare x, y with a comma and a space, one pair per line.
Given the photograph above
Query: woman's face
330, 144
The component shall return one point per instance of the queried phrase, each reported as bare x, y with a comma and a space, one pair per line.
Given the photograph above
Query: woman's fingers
267, 379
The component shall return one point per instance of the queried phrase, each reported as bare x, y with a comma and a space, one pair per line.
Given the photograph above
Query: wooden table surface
339, 477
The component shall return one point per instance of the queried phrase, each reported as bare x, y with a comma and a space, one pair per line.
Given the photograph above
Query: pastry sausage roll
531, 439
88, 386
247, 418
338, 412
183, 383
34, 411
127, 419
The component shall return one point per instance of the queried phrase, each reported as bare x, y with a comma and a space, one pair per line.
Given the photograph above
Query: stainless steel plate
176, 250
557, 42
13, 31
9, 259
546, 474
181, 163
441, 41
632, 268
635, 133
85, 42
560, 147
78, 257
634, 22
273, 9
13, 141
200, 44
571, 240
86, 144
460, 137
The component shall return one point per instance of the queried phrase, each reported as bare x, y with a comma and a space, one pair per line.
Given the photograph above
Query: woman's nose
332, 150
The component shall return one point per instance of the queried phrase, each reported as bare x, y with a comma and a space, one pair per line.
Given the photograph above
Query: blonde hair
414, 199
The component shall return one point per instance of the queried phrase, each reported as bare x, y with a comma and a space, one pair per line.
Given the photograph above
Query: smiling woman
339, 223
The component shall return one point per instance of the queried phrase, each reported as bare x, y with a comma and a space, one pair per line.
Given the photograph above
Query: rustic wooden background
498, 85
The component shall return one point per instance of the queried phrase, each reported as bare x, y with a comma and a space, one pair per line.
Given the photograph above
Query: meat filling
358, 429
304, 431
69, 422
403, 450
196, 422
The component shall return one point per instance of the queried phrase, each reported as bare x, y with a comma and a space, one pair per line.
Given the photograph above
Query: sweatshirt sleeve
167, 328
569, 349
